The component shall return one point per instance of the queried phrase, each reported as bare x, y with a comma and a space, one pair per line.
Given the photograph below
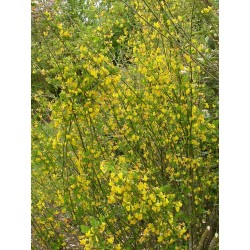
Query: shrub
128, 158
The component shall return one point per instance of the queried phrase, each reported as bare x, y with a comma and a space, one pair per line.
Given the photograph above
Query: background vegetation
125, 124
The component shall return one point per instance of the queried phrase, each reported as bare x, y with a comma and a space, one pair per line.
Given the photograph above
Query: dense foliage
125, 124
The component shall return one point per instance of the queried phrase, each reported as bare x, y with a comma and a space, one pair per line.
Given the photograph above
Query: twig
203, 237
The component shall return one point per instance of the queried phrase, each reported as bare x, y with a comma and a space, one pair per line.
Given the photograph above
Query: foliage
125, 124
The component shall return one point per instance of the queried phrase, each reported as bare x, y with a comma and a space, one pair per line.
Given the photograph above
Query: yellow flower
206, 10
83, 49
59, 26
102, 227
178, 206
64, 33
120, 175
50, 219
188, 91
188, 58
152, 197
157, 25
51, 233
128, 208
142, 186
138, 216
121, 160
160, 238
135, 138
180, 18
83, 242
111, 199
118, 247
110, 240
89, 234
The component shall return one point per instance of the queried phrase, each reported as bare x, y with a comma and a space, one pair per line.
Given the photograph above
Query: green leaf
84, 229
94, 222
